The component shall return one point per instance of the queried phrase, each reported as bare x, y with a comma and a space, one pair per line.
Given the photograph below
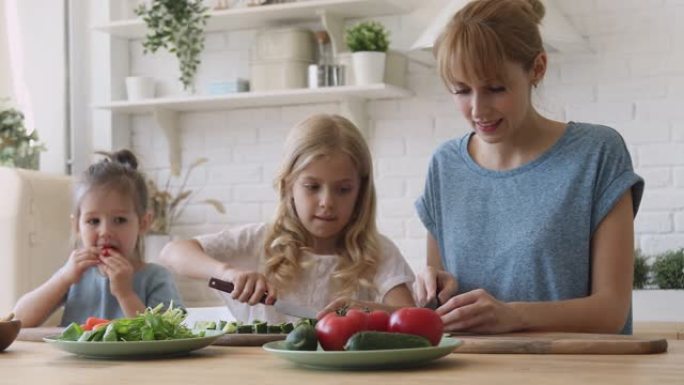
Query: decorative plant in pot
368, 41
168, 203
18, 147
177, 26
659, 285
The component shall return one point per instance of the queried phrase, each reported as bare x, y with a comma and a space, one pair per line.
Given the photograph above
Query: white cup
139, 87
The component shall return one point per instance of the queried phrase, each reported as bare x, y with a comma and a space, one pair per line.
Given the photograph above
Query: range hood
558, 33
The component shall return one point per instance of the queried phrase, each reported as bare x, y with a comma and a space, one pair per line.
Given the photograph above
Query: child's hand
120, 271
79, 261
250, 286
434, 284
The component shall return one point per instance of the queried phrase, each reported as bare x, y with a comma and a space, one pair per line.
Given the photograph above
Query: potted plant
368, 41
662, 282
18, 147
177, 26
167, 204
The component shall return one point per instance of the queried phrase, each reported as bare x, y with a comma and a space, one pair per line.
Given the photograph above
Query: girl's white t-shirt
243, 247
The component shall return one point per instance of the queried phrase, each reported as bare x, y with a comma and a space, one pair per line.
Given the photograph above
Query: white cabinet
331, 13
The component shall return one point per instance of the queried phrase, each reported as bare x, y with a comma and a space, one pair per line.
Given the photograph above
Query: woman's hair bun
538, 9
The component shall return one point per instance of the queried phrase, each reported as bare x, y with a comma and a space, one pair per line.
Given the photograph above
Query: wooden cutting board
560, 343
248, 339
37, 335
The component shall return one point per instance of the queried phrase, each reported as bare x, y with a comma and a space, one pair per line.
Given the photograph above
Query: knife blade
283, 306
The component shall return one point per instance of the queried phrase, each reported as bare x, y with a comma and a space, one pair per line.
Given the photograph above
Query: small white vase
139, 87
369, 67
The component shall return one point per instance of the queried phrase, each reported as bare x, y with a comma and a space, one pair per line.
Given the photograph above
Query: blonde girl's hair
484, 34
358, 246
118, 171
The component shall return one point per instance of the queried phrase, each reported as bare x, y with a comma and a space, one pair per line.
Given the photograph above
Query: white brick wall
634, 81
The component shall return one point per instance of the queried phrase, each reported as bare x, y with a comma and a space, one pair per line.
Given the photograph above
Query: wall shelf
165, 110
257, 99
330, 13
276, 14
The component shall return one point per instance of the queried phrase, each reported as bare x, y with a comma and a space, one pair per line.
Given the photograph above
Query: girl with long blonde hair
322, 250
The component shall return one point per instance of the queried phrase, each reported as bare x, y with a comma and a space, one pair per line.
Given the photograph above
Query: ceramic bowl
8, 332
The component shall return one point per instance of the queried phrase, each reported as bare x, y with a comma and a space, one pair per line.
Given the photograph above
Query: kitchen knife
281, 305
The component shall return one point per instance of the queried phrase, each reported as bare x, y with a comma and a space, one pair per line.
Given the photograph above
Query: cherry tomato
92, 322
418, 321
378, 320
333, 330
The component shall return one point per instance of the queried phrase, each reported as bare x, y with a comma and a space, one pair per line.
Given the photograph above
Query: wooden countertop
40, 363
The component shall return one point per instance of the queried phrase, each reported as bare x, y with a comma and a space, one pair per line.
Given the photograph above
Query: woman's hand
120, 272
434, 284
79, 261
250, 286
478, 312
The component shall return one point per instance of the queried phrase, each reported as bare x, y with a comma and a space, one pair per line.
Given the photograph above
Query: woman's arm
603, 311
606, 309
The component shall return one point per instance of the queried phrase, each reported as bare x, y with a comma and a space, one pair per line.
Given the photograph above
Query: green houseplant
668, 270
368, 41
177, 26
18, 147
367, 36
641, 270
167, 204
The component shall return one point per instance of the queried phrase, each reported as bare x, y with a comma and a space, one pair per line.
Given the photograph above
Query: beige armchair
35, 231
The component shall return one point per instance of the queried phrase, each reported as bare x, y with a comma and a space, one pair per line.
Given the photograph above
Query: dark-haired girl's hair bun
124, 157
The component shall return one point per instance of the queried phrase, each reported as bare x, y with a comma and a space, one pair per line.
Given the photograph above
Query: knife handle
228, 287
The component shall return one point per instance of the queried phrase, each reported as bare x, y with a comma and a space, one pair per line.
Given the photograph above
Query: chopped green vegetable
72, 333
110, 333
260, 328
286, 327
245, 329
152, 324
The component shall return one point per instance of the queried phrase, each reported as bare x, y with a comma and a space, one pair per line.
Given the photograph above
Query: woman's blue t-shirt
525, 234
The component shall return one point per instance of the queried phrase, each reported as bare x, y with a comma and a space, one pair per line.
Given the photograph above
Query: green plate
146, 349
368, 359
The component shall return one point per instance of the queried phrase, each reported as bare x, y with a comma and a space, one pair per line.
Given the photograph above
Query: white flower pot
369, 67
139, 87
658, 305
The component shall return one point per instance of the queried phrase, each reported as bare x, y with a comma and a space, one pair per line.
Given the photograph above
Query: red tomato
378, 320
91, 322
419, 321
333, 330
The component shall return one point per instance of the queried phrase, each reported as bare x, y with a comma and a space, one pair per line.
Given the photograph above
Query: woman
530, 220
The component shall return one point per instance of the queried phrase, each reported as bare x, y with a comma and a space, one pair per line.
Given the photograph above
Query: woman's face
496, 111
325, 194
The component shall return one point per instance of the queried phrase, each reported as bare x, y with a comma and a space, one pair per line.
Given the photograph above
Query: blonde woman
530, 220
322, 250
